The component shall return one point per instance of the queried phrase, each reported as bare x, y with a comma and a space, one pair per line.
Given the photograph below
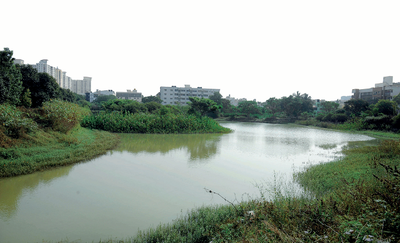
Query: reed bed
125, 122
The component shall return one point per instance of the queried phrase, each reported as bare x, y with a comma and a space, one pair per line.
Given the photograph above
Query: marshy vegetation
128, 116
33, 139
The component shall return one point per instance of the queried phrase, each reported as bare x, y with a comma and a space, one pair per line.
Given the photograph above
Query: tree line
23, 85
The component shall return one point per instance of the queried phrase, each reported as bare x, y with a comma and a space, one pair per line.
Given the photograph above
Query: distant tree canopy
356, 106
292, 106
329, 106
151, 98
202, 106
104, 98
385, 107
131, 106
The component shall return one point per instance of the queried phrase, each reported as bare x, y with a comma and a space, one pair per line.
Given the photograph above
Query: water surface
152, 179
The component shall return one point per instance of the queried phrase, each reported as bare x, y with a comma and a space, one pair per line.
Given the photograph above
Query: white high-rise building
82, 87
180, 95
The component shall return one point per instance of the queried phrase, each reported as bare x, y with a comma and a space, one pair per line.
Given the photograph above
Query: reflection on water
151, 179
199, 146
11, 189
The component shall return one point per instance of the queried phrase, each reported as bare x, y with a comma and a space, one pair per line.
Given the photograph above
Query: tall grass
152, 123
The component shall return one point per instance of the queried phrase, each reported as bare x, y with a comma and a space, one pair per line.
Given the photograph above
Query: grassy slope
46, 149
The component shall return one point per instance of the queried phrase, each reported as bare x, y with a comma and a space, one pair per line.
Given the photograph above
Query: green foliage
63, 116
104, 98
249, 107
44, 150
14, 122
10, 79
385, 107
397, 99
202, 106
217, 98
152, 106
164, 122
26, 100
329, 106
131, 106
356, 106
273, 105
151, 98
42, 86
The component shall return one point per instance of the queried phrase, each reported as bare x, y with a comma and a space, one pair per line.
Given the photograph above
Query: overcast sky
248, 49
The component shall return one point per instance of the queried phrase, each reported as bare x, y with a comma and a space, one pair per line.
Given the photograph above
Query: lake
151, 179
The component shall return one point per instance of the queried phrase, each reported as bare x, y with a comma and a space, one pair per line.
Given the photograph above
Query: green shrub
14, 122
63, 116
164, 122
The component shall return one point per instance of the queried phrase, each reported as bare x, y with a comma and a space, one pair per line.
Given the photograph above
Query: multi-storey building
104, 92
180, 95
130, 95
19, 61
81, 87
77, 86
233, 101
385, 90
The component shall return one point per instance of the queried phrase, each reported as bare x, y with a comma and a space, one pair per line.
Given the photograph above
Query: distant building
19, 61
233, 101
385, 90
104, 92
180, 95
130, 95
90, 97
81, 87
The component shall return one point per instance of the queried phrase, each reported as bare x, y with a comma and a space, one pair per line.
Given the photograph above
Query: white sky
248, 49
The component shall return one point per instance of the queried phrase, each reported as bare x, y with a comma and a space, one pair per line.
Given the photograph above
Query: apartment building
104, 92
130, 95
180, 95
385, 90
77, 86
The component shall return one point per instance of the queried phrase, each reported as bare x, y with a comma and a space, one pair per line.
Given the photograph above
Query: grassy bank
47, 149
37, 139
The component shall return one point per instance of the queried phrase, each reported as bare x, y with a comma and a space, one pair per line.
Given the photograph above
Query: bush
63, 116
383, 122
13, 121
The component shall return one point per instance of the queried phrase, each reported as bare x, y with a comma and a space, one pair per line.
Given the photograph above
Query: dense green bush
164, 122
63, 116
14, 122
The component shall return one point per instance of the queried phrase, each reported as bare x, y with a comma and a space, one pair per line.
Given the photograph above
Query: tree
153, 106
202, 106
273, 105
151, 98
104, 98
10, 79
66, 95
397, 99
216, 97
329, 106
385, 107
42, 86
249, 107
356, 106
